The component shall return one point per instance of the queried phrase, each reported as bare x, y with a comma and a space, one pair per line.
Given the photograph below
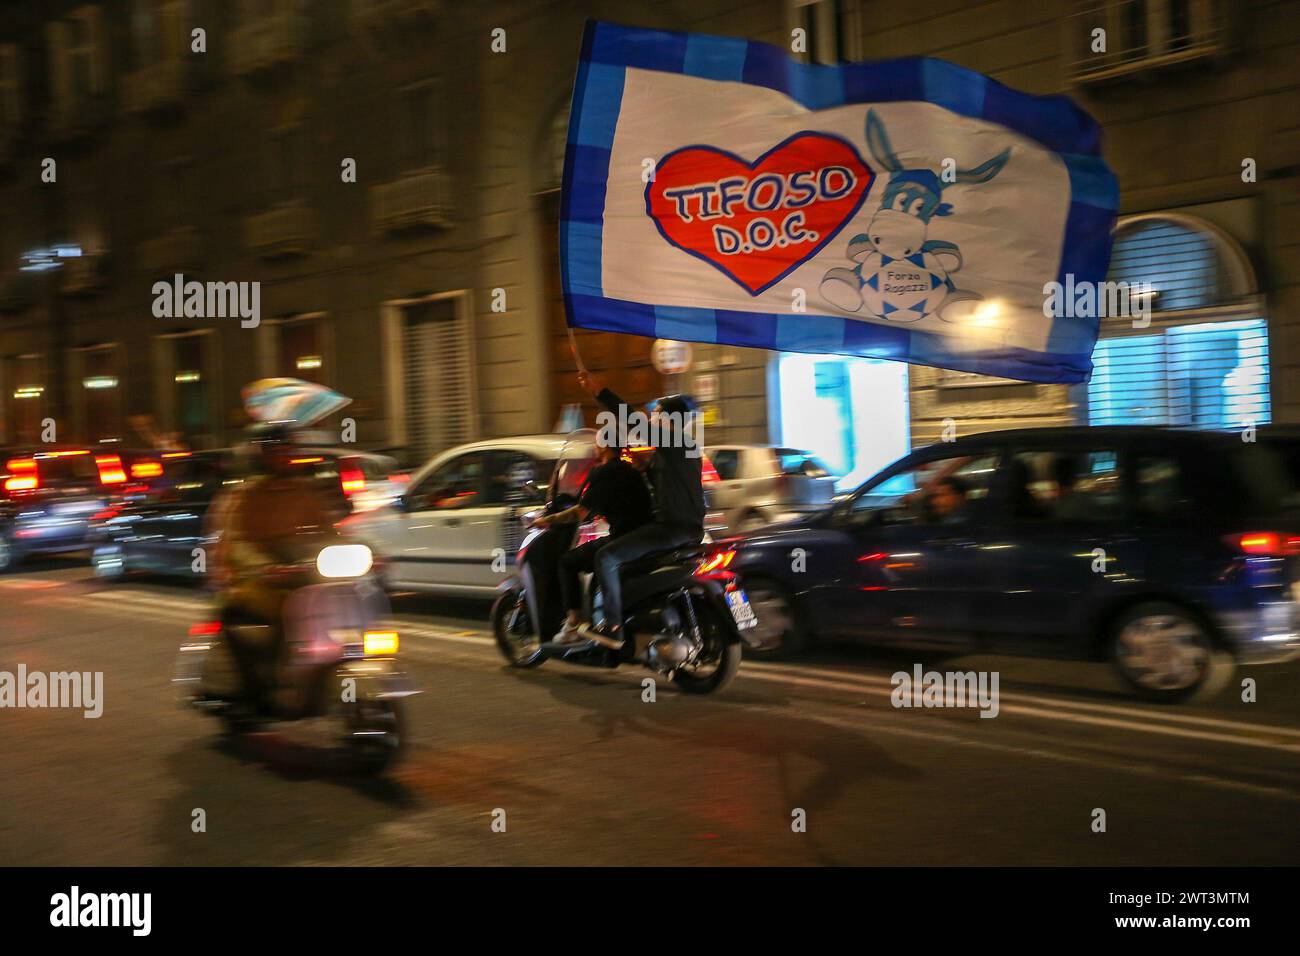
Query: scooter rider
268, 520
675, 473
616, 491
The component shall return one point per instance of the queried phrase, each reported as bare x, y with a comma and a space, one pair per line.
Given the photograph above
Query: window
793, 462
420, 127
941, 491
24, 384
146, 32
300, 349
1214, 375
69, 470
101, 394
192, 390
1143, 34
726, 461
1065, 485
1203, 359
83, 52
508, 476
1183, 264
286, 163
10, 85
455, 484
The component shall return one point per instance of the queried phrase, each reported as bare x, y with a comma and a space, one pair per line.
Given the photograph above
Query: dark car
157, 520
1171, 553
48, 497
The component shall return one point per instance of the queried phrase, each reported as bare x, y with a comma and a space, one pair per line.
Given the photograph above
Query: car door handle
451, 522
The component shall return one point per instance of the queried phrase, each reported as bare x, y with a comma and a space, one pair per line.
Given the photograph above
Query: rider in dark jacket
675, 473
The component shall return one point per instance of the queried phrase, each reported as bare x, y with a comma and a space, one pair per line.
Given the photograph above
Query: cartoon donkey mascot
899, 271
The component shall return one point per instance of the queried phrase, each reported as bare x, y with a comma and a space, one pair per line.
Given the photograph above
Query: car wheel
780, 631
1166, 653
751, 521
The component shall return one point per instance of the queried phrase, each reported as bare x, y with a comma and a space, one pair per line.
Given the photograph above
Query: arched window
1199, 359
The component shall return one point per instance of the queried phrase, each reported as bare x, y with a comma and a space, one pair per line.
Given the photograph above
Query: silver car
760, 484
455, 528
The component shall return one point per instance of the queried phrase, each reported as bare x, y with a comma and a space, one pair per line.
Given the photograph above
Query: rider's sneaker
568, 635
602, 634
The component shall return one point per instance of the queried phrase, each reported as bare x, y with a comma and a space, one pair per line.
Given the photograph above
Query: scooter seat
658, 559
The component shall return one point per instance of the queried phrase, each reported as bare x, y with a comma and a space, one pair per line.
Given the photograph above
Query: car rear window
1233, 480
795, 462
68, 468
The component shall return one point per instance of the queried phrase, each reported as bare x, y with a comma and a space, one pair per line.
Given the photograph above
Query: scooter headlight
344, 561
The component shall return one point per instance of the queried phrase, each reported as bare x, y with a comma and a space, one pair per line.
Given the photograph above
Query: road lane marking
1261, 736
1019, 698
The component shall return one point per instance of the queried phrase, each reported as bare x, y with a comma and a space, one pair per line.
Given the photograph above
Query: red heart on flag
756, 222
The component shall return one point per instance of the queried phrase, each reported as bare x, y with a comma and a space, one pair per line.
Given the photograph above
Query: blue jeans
647, 539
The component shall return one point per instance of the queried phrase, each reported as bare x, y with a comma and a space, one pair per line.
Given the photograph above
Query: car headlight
344, 561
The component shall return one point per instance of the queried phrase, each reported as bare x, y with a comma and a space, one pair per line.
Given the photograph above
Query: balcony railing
288, 229
77, 117
421, 199
157, 86
266, 42
394, 12
1119, 38
16, 291
175, 251
83, 274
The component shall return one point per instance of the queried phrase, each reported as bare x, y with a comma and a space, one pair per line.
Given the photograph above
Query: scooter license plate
741, 612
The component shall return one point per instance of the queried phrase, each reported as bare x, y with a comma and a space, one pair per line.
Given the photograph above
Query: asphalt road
586, 772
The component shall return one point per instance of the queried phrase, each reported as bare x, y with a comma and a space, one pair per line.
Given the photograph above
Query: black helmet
673, 405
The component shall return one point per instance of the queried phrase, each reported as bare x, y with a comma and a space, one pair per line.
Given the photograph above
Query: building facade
388, 171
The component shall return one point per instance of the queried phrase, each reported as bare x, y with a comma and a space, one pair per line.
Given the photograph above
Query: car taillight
146, 469
110, 469
22, 475
352, 480
715, 563
205, 629
1264, 544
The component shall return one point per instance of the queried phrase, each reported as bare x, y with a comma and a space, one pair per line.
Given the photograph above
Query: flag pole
573, 347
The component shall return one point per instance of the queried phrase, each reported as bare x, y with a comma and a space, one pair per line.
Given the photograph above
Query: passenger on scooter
616, 491
676, 477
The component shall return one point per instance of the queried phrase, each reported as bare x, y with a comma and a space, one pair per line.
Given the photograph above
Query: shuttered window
1209, 373
438, 356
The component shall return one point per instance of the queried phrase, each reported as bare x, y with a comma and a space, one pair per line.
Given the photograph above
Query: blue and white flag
716, 190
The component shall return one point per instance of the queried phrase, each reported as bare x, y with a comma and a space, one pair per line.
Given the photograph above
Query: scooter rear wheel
387, 721
718, 661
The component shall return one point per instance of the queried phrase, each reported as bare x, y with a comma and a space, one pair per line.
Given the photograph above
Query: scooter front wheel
512, 627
